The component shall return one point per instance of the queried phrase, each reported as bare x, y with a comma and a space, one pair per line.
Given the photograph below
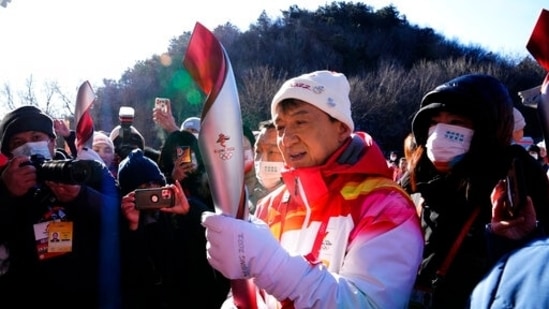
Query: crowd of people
334, 222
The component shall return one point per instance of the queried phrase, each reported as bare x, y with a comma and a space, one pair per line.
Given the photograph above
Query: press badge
53, 238
60, 236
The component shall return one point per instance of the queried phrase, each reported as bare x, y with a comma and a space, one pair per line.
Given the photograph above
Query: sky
73, 41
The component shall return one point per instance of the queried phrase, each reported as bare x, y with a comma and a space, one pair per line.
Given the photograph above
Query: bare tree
7, 94
50, 98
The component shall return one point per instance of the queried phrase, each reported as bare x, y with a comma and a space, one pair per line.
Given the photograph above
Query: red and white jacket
357, 222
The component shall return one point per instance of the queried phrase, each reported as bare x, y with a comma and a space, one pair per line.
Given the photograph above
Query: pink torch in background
538, 46
83, 118
221, 134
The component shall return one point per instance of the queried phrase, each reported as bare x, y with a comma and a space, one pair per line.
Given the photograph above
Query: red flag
538, 45
220, 137
84, 121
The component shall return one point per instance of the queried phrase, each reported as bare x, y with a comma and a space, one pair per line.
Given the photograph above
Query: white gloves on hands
242, 249
239, 249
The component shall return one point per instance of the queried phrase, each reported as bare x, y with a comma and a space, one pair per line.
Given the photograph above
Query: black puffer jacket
449, 199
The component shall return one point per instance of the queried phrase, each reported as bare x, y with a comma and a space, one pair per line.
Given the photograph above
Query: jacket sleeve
379, 267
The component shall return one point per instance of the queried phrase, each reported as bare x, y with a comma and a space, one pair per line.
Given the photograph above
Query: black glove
354, 151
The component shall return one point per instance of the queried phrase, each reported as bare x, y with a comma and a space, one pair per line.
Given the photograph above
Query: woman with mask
250, 180
463, 217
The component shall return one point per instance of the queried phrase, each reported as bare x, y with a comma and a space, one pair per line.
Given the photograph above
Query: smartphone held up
183, 155
154, 198
515, 190
162, 103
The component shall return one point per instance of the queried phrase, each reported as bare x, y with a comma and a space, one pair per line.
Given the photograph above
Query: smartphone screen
183, 154
162, 103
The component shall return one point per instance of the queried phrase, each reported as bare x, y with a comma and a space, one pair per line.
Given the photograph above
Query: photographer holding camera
41, 192
126, 138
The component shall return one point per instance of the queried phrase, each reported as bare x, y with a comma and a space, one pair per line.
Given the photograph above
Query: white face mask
268, 173
32, 148
446, 142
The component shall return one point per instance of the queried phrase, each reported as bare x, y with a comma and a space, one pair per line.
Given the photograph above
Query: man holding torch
339, 233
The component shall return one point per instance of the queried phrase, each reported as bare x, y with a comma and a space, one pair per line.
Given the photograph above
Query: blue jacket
520, 279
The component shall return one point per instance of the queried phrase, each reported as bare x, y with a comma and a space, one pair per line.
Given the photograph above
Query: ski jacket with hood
354, 220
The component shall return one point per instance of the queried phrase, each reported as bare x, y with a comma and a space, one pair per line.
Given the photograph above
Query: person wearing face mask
104, 147
250, 179
33, 207
268, 161
463, 217
518, 126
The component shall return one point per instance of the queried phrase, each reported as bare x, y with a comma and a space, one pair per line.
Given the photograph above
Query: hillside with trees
390, 64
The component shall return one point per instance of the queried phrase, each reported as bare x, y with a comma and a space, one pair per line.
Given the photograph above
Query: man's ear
344, 131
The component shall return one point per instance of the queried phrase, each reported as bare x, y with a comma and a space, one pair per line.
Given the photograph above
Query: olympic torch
220, 137
84, 121
538, 46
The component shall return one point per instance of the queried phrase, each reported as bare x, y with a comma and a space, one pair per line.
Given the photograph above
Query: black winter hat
23, 119
482, 98
136, 169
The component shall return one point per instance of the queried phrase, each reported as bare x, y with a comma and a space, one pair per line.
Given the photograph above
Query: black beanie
136, 169
23, 119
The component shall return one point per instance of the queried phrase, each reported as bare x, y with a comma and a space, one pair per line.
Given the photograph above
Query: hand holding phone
163, 104
154, 198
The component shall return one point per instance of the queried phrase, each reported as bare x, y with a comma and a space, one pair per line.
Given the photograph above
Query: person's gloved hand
239, 249
354, 151
242, 249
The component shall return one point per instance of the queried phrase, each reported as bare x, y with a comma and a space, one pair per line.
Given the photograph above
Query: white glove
242, 249
239, 249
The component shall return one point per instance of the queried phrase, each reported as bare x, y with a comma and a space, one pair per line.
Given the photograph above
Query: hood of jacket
482, 98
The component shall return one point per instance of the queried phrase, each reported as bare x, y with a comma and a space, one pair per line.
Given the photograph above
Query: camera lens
69, 171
